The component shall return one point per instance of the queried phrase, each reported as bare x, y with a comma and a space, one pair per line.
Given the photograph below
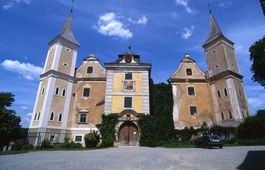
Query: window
222, 115
57, 91
52, 138
67, 49
230, 115
39, 116
65, 64
86, 92
128, 76
42, 92
35, 117
52, 116
78, 138
193, 110
89, 70
127, 102
225, 91
83, 117
60, 117
189, 71
63, 93
191, 91
219, 94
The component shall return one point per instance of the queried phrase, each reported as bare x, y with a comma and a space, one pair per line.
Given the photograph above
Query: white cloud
187, 32
27, 70
10, 3
24, 107
143, 20
109, 24
25, 119
225, 4
184, 3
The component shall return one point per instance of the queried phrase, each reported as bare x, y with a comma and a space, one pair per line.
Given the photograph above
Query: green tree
9, 121
162, 105
257, 55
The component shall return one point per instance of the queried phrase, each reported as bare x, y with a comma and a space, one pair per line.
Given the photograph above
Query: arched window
60, 117
89, 70
225, 91
39, 116
52, 116
230, 115
63, 93
57, 91
35, 117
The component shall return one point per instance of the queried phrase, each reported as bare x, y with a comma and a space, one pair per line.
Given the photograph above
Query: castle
70, 102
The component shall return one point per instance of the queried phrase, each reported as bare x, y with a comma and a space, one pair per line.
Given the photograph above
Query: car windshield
214, 137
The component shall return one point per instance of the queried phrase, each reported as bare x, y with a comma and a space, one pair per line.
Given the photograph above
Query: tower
225, 81
127, 94
51, 109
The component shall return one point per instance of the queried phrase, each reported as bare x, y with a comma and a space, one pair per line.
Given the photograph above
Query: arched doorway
128, 134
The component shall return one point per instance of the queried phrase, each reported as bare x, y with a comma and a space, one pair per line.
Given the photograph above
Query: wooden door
128, 134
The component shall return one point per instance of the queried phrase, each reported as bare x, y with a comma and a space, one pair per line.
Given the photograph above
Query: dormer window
128, 76
189, 71
89, 70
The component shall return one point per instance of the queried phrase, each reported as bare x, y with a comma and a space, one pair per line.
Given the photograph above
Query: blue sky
161, 31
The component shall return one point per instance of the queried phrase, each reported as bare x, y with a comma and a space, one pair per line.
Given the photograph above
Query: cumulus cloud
26, 70
10, 3
109, 24
187, 32
142, 21
184, 3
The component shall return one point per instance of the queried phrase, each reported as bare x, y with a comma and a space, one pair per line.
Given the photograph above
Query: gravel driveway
136, 158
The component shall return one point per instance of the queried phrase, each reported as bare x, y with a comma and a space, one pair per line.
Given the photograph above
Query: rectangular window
189, 71
191, 91
89, 70
127, 102
128, 76
193, 110
219, 95
86, 92
83, 117
52, 138
78, 138
222, 115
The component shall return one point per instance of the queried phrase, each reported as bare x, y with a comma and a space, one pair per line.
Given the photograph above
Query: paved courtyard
134, 158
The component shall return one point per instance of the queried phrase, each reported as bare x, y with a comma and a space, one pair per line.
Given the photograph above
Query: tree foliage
92, 139
158, 127
257, 55
107, 129
9, 121
253, 127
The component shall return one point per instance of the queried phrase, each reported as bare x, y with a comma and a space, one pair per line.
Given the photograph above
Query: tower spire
67, 32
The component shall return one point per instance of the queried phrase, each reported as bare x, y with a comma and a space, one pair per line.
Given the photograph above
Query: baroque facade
216, 96
70, 102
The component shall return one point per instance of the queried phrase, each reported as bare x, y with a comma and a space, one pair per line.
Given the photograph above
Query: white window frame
59, 117
81, 138
64, 92
67, 49
124, 102
52, 117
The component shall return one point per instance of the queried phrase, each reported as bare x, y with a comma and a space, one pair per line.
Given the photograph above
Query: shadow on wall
255, 160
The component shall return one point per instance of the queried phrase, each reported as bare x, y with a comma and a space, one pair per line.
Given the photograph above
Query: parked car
210, 141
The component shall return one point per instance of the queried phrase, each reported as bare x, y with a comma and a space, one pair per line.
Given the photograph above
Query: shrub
92, 139
107, 129
27, 147
46, 144
147, 136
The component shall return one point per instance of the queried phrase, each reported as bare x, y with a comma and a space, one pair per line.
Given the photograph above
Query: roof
67, 32
215, 32
91, 57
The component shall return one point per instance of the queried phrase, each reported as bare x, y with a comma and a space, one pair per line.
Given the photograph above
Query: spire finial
209, 7
73, 1
130, 47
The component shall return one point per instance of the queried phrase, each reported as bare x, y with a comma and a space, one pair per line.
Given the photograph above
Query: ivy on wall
107, 129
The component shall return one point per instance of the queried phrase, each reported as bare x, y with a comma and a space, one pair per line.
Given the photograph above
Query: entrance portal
128, 134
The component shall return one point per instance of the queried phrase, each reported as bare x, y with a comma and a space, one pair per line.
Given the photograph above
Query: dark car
210, 141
